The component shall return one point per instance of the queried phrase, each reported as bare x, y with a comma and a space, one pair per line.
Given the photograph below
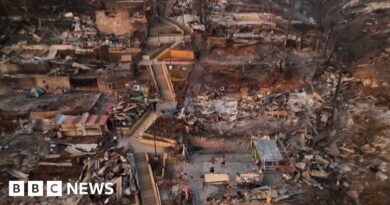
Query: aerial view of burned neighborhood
194, 102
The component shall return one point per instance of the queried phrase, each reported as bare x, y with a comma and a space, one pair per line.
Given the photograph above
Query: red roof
87, 119
71, 120
103, 120
92, 119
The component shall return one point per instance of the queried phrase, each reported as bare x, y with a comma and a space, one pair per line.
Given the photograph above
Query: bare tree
319, 29
201, 10
332, 25
290, 17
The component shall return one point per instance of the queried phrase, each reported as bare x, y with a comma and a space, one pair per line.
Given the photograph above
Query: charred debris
197, 101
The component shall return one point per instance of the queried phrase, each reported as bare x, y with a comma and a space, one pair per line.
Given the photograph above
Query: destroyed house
84, 125
127, 5
269, 154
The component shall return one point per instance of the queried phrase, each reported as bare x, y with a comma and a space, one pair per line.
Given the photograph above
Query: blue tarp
61, 119
36, 92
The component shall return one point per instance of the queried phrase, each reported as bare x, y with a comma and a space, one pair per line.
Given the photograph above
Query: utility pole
170, 57
155, 157
179, 189
155, 145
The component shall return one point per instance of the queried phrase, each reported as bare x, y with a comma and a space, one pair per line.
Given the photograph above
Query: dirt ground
313, 75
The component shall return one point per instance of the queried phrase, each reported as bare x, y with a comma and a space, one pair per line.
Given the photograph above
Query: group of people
212, 163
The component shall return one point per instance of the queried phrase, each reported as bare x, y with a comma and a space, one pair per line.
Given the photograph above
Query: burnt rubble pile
197, 102
117, 167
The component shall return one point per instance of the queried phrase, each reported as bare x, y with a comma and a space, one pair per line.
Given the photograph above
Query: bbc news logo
55, 188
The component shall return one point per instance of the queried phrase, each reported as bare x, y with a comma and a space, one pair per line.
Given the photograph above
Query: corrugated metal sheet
84, 118
92, 119
60, 119
268, 150
73, 119
103, 120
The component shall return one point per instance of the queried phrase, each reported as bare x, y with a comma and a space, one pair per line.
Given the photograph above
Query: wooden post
334, 101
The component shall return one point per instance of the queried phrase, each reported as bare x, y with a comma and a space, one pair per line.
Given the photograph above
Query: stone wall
51, 84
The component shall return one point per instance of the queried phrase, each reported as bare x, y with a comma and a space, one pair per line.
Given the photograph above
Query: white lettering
35, 188
16, 188
83, 188
108, 188
54, 188
96, 187
71, 187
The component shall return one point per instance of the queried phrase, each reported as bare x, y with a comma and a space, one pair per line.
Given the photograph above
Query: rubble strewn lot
197, 102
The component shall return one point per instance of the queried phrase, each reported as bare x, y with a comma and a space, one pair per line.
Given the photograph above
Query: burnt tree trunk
336, 93
328, 37
319, 25
318, 44
290, 16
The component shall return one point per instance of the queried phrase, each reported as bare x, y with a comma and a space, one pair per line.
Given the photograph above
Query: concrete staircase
148, 191
160, 73
143, 124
